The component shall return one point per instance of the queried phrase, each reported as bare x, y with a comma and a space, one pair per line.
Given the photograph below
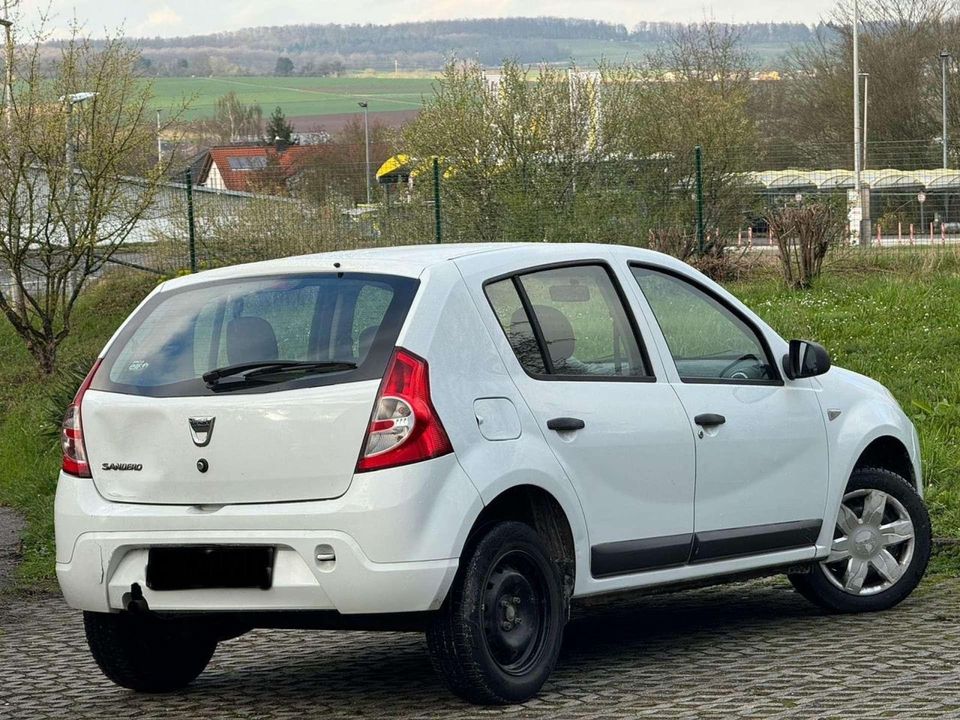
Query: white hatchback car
463, 439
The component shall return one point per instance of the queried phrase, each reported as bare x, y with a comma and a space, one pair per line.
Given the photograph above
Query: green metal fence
695, 200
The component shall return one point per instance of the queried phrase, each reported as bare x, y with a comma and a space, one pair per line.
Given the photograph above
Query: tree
337, 173
900, 45
65, 207
607, 155
233, 120
697, 92
284, 66
278, 128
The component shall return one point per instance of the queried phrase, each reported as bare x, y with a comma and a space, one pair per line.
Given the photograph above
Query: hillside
318, 50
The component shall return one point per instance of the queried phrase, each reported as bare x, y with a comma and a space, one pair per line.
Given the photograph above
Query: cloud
160, 21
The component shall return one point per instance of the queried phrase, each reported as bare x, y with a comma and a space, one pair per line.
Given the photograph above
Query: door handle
709, 419
565, 424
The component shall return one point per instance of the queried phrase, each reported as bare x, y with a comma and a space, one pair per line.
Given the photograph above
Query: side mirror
805, 359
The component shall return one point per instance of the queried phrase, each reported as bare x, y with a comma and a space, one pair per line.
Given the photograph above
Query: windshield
349, 319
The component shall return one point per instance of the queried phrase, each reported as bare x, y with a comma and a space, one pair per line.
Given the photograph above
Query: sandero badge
136, 467
201, 430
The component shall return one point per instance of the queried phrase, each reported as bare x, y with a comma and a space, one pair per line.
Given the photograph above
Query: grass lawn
29, 460
900, 325
298, 96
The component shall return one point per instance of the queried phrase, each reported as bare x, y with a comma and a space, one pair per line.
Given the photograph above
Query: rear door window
179, 335
569, 322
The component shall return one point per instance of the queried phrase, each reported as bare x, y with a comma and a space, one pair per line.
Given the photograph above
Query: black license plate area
198, 567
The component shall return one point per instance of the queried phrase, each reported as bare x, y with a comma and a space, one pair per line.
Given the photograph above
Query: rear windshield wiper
251, 370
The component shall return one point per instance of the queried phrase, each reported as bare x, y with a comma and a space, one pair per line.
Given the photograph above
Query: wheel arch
889, 453
541, 510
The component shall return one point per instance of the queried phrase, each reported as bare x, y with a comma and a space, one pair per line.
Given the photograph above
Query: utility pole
944, 61
8, 69
866, 111
366, 142
858, 211
159, 141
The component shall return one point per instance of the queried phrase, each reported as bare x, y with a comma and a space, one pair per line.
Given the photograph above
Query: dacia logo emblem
201, 430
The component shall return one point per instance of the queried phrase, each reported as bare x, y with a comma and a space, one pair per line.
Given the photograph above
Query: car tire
832, 583
147, 654
497, 636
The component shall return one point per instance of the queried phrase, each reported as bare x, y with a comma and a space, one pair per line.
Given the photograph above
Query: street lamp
71, 100
71, 151
159, 141
857, 214
8, 70
366, 142
944, 61
866, 110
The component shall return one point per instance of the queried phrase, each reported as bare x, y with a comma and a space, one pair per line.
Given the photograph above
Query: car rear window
181, 334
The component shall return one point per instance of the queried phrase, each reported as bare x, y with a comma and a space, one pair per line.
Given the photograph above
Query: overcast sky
189, 17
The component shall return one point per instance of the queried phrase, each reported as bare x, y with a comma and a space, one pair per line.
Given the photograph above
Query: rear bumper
396, 535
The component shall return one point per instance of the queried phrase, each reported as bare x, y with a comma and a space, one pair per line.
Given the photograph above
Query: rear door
619, 433
157, 433
762, 466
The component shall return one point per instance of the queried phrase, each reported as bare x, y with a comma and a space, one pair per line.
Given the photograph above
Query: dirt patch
11, 527
333, 123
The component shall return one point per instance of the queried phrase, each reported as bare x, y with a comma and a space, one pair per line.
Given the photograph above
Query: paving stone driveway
740, 651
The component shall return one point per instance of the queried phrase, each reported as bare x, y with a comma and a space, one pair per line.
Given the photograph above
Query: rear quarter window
181, 334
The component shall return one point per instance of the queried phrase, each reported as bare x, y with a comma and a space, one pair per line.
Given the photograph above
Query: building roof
885, 179
237, 163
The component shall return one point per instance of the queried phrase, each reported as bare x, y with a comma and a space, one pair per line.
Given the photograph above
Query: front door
620, 434
762, 466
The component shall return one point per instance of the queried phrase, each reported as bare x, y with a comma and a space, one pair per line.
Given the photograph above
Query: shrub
804, 235
60, 393
720, 260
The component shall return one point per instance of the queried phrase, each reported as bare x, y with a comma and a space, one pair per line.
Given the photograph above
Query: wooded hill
333, 49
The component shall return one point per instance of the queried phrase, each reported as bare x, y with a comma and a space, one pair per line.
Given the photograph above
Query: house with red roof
254, 168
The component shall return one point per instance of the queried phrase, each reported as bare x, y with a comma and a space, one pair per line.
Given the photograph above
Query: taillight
404, 427
71, 434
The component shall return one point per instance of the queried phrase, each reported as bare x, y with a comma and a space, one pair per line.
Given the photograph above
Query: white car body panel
318, 432
398, 533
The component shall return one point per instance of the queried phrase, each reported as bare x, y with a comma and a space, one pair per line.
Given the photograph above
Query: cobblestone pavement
741, 651
11, 526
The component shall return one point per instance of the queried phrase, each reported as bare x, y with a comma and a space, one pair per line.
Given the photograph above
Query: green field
298, 96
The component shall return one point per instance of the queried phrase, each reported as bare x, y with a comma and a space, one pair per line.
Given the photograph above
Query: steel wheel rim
515, 612
873, 543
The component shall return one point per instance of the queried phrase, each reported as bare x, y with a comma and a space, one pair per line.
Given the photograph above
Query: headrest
250, 339
557, 331
365, 340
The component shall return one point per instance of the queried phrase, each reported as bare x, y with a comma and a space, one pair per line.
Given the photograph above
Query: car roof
413, 260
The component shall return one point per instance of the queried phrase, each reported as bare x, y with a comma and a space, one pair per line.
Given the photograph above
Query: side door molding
658, 553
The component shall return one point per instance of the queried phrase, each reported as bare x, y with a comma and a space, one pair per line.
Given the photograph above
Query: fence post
438, 229
191, 231
698, 155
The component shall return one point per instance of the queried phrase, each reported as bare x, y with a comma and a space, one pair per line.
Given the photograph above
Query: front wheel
148, 654
880, 550
497, 636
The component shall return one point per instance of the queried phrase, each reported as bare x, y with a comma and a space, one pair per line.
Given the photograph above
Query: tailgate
281, 446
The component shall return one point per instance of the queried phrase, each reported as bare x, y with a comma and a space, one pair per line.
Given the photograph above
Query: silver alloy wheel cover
865, 542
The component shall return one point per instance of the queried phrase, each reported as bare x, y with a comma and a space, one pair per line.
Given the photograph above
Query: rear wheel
881, 546
148, 654
497, 636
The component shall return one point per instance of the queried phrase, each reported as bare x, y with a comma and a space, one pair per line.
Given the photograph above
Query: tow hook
134, 601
